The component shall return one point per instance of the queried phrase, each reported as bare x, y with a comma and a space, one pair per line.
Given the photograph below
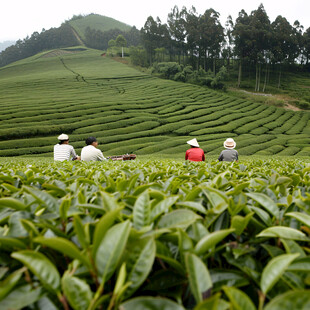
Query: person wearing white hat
229, 154
64, 151
195, 153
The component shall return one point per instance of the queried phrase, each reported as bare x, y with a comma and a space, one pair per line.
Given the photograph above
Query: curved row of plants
155, 235
84, 94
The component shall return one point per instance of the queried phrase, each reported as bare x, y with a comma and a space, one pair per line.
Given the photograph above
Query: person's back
195, 153
229, 154
64, 151
90, 151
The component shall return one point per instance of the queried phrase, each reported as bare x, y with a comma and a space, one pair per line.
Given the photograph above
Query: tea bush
155, 234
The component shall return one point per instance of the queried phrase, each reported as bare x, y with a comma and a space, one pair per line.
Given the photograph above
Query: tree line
252, 40
48, 39
252, 43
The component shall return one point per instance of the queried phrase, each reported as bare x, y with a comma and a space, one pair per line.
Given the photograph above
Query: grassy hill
81, 93
97, 22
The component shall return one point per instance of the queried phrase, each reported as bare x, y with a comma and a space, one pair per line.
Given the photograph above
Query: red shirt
195, 154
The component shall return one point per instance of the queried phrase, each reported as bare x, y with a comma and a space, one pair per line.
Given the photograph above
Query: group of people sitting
195, 153
64, 151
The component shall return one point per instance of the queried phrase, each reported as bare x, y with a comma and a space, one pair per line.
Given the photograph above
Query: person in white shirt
90, 152
64, 151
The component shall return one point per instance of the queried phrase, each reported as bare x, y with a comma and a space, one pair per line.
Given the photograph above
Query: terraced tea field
83, 94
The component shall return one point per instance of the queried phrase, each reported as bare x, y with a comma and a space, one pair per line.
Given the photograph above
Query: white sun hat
193, 142
63, 137
229, 143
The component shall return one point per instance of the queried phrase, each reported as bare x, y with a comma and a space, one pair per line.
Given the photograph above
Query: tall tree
192, 35
177, 31
306, 50
211, 36
261, 35
242, 33
154, 35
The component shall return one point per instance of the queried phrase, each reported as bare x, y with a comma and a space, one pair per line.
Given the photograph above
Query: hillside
81, 93
97, 22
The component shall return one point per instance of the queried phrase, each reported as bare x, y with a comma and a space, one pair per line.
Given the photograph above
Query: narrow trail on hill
81, 78
77, 37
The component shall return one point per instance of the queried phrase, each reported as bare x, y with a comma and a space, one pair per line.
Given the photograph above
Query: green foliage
83, 94
154, 233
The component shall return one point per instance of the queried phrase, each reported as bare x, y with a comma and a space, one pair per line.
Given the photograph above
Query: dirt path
285, 100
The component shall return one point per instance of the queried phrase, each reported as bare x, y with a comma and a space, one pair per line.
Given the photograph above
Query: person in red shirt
195, 153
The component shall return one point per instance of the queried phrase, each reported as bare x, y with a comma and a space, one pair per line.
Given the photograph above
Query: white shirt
90, 152
63, 152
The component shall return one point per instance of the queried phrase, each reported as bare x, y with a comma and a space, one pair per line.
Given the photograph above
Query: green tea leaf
238, 298
21, 297
77, 292
80, 232
150, 303
266, 202
12, 203
302, 217
64, 246
209, 241
41, 266
111, 249
283, 232
196, 206
102, 227
12, 243
274, 270
139, 264
181, 218
298, 299
239, 223
142, 211
11, 280
163, 206
199, 276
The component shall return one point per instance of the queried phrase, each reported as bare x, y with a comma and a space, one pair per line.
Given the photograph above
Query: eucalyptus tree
261, 36
227, 50
177, 31
242, 34
211, 36
306, 50
192, 35
282, 44
154, 35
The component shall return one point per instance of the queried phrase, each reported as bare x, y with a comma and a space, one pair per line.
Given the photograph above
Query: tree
243, 40
211, 36
306, 50
120, 41
261, 35
193, 35
177, 30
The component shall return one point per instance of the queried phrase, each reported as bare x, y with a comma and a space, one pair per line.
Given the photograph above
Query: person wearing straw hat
229, 154
64, 151
195, 153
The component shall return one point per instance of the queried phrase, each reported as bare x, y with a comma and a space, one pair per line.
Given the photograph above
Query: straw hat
193, 142
63, 137
229, 143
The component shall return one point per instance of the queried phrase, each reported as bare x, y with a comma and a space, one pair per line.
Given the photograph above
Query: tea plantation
81, 93
155, 234
152, 233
